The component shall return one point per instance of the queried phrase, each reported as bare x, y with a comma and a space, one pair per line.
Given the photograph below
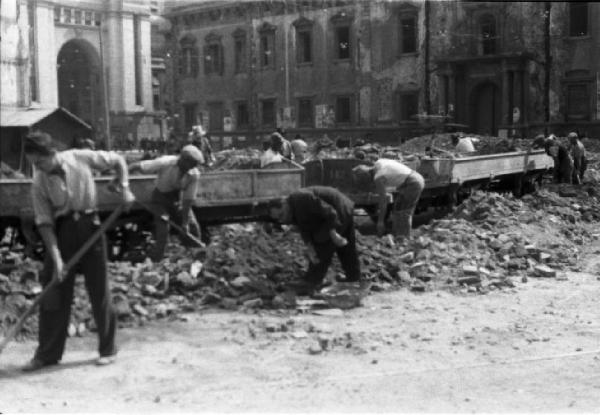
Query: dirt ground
534, 348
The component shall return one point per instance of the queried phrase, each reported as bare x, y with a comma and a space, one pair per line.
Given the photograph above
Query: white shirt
391, 173
465, 145
269, 156
169, 176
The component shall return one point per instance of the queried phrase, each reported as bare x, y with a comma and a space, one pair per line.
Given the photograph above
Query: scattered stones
544, 271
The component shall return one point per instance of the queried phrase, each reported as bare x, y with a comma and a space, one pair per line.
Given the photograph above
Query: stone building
358, 67
90, 57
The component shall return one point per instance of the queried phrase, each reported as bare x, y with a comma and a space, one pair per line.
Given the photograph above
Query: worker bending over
563, 162
64, 202
178, 178
463, 144
324, 218
392, 175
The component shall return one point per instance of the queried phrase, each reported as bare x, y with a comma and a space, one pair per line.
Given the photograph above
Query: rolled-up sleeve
153, 166
190, 187
42, 208
98, 159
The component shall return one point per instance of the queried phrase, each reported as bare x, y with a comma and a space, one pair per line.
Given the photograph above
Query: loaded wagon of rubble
226, 196
447, 180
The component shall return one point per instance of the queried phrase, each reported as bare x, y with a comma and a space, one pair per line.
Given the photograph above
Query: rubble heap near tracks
490, 242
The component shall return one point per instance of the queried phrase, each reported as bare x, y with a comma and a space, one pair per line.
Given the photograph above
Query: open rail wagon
224, 197
447, 180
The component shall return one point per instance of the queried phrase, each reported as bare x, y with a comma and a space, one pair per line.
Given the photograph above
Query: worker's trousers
55, 307
347, 255
405, 204
165, 204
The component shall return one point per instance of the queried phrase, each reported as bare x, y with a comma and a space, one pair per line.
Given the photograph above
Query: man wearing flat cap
178, 178
64, 203
393, 176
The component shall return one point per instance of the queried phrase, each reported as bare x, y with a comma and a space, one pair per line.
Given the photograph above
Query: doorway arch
79, 81
486, 108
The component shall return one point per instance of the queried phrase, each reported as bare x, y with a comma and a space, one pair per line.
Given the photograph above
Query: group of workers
570, 161
64, 200
278, 148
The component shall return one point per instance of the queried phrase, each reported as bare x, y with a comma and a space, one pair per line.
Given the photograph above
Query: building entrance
485, 109
79, 82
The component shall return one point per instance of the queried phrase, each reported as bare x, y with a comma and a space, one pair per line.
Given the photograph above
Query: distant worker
324, 218
395, 176
280, 145
64, 199
463, 144
299, 148
200, 140
269, 156
579, 157
563, 163
178, 179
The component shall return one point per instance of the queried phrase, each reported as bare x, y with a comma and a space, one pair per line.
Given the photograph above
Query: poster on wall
227, 124
324, 116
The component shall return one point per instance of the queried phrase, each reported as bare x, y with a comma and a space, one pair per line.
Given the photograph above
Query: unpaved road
535, 348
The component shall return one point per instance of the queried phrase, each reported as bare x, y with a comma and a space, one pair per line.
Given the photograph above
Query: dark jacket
318, 209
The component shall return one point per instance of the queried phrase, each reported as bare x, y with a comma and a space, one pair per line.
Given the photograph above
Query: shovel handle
72, 262
172, 224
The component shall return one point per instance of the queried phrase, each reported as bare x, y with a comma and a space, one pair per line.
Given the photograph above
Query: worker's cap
193, 153
39, 142
572, 135
540, 137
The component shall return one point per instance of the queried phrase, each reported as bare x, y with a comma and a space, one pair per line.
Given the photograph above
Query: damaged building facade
358, 67
90, 57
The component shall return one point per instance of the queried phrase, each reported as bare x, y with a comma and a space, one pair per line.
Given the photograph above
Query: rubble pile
489, 242
237, 159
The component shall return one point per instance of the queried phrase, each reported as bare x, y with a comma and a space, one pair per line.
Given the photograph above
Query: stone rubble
489, 242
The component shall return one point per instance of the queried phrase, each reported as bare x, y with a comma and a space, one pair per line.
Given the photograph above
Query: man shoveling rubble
64, 203
408, 183
324, 218
178, 178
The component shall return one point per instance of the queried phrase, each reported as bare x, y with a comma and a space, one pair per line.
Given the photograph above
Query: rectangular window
305, 112
408, 105
212, 59
342, 42
56, 14
304, 46
77, 17
343, 110
242, 115
240, 54
408, 34
189, 115
215, 116
578, 102
578, 19
88, 18
267, 52
97, 19
268, 118
67, 15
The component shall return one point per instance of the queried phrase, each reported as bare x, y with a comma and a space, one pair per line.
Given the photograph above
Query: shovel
116, 189
70, 264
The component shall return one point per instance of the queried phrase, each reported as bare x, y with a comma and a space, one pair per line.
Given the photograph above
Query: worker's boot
402, 223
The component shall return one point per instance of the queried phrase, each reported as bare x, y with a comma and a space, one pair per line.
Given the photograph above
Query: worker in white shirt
391, 174
464, 144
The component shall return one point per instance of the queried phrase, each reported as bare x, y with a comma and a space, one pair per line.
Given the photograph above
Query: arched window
489, 35
188, 58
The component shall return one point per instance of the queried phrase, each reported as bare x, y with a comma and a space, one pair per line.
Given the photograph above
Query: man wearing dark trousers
324, 218
64, 203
